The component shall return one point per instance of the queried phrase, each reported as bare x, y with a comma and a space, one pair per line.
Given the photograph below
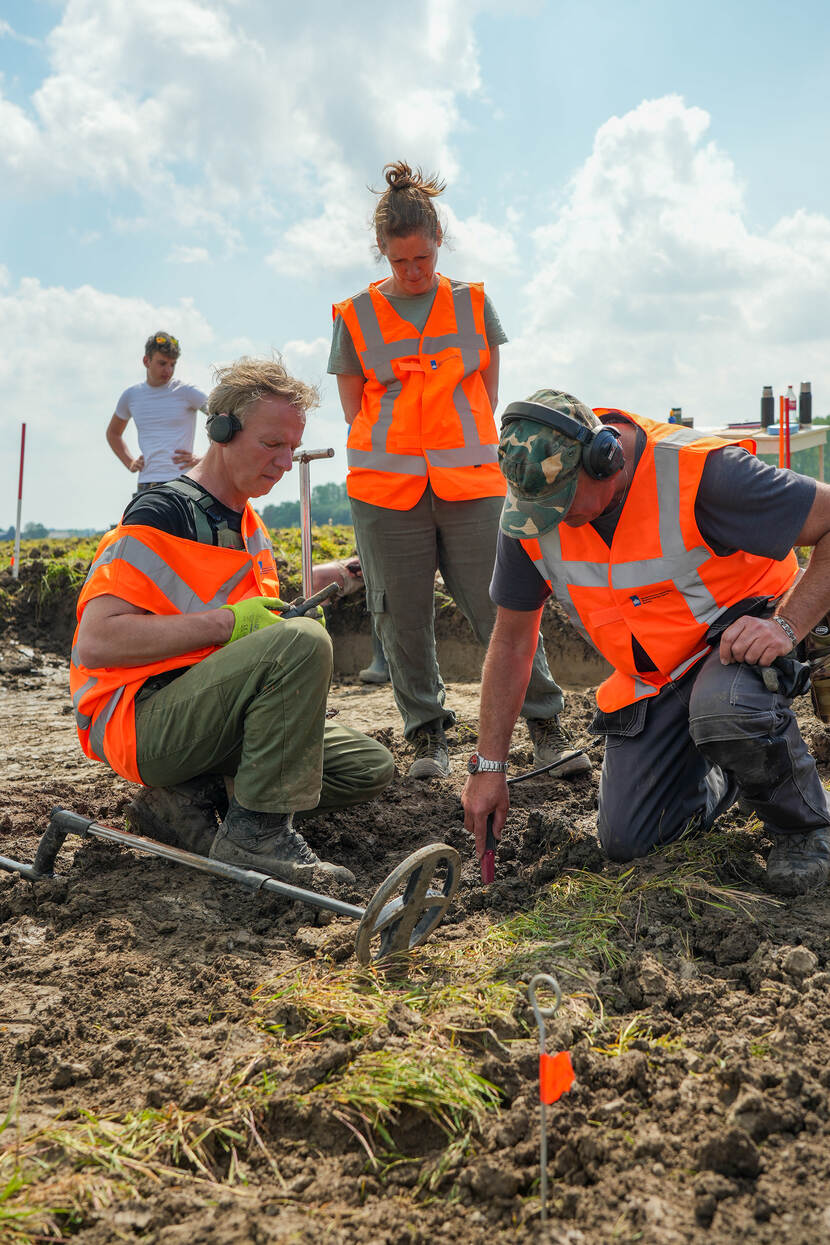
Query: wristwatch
480, 765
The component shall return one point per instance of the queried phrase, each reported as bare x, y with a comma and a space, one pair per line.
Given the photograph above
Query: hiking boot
185, 816
432, 757
799, 863
268, 843
550, 742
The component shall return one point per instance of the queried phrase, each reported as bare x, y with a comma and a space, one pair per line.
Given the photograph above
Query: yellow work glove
253, 614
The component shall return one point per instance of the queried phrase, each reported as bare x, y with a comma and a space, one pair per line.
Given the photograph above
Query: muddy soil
127, 982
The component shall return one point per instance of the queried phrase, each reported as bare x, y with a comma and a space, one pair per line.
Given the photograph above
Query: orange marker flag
556, 1076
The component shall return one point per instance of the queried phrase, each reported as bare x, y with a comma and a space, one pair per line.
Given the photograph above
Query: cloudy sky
642, 186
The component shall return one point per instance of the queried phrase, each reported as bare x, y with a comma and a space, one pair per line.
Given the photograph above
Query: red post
781, 448
16, 554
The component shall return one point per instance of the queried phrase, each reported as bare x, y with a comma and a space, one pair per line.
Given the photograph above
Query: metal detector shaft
248, 878
304, 457
401, 914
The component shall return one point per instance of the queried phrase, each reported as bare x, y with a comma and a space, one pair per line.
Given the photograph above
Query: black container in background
805, 403
767, 407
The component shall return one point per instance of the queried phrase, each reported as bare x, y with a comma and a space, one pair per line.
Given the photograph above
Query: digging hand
486, 801
253, 614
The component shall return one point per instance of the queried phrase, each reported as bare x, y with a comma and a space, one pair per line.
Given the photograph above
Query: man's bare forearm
120, 449
504, 680
133, 639
808, 600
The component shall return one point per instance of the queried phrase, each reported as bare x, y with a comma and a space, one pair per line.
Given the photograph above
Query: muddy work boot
185, 816
550, 742
799, 863
432, 757
268, 843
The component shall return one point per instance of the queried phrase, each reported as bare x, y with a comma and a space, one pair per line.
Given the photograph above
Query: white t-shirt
165, 420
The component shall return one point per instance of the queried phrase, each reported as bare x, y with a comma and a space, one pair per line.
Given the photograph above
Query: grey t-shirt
344, 359
742, 503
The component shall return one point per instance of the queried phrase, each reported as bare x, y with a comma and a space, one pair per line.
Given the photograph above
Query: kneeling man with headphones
671, 550
185, 674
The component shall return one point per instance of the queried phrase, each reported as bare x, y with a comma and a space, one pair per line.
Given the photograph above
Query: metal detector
401, 914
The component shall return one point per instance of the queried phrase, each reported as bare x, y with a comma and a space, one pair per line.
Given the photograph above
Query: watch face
472, 764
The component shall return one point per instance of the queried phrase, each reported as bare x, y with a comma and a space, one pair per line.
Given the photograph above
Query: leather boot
268, 843
184, 816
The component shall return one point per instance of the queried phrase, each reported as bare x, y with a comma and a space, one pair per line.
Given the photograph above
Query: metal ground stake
555, 1074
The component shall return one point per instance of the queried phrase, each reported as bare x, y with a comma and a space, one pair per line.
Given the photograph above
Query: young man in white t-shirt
164, 413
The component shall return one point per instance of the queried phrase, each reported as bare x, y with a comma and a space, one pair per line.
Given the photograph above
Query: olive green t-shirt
344, 359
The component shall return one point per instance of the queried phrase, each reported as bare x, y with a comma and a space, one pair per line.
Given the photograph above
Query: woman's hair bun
399, 176
405, 206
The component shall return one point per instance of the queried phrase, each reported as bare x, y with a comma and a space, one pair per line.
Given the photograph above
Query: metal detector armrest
61, 823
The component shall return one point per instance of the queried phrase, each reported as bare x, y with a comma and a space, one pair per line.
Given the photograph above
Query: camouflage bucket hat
541, 466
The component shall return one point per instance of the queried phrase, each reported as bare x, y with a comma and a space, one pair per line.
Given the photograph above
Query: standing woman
416, 357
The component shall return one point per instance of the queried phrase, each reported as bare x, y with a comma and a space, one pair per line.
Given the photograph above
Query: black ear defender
222, 428
602, 454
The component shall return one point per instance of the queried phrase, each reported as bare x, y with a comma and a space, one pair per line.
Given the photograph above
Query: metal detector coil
404, 910
401, 914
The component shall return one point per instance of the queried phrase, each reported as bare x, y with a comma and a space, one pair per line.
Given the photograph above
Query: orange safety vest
165, 575
425, 415
659, 583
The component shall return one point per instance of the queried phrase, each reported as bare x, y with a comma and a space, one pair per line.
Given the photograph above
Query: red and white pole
16, 558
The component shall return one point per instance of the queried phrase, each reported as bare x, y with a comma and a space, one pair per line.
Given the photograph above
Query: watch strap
481, 765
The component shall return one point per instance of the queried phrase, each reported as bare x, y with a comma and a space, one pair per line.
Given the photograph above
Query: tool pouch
817, 653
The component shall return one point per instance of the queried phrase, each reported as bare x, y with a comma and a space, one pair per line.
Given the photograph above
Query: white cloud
188, 255
650, 290
219, 109
7, 31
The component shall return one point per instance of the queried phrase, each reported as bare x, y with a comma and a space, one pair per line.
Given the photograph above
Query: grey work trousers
255, 711
400, 551
680, 758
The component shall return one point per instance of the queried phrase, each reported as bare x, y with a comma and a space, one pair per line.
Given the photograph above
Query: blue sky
641, 186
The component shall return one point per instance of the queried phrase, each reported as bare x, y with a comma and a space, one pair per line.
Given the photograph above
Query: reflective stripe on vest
602, 597
179, 593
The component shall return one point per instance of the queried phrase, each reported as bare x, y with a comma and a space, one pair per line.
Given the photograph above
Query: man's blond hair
246, 381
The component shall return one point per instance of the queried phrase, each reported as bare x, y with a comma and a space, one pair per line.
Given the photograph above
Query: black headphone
602, 454
222, 428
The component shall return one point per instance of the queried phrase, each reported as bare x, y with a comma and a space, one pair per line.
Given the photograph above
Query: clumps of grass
445, 989
407, 1036
437, 1081
597, 915
52, 1178
20, 1219
316, 1003
636, 1031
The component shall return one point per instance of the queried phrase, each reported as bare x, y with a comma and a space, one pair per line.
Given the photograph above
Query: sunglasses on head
166, 341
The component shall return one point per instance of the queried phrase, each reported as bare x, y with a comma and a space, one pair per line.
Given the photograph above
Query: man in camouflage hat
672, 552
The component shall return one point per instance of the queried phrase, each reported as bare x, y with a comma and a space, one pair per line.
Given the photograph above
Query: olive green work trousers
254, 711
400, 551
